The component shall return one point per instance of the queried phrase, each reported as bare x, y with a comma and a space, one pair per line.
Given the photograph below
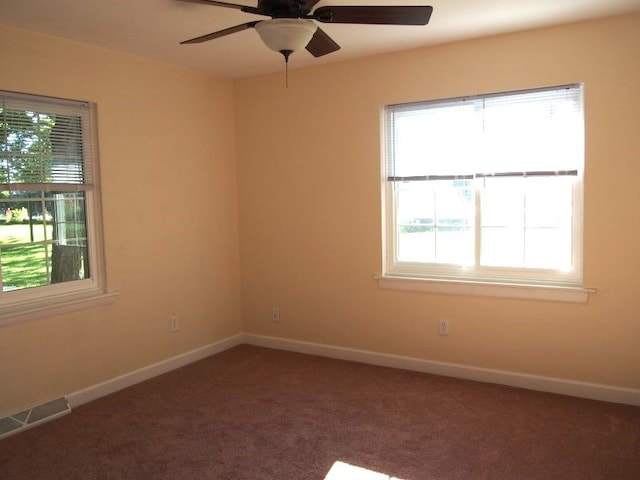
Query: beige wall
308, 161
167, 152
309, 196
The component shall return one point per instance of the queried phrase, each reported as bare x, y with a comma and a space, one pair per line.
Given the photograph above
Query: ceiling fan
291, 27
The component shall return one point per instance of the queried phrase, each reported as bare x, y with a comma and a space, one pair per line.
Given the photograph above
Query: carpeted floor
256, 413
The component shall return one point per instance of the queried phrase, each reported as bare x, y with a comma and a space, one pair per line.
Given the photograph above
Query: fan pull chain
285, 54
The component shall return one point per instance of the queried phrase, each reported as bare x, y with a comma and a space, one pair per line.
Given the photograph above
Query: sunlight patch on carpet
344, 471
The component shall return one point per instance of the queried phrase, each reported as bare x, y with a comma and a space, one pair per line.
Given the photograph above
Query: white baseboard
128, 379
591, 391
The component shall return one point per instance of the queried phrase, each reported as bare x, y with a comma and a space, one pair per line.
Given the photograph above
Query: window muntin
486, 188
49, 219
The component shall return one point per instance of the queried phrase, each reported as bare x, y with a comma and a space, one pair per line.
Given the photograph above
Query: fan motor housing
284, 8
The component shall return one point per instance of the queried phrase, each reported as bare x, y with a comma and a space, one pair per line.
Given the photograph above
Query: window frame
30, 303
511, 282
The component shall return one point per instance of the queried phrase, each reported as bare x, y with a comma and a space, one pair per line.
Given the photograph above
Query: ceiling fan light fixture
286, 34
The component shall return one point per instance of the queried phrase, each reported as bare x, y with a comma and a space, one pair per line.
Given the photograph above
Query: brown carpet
256, 413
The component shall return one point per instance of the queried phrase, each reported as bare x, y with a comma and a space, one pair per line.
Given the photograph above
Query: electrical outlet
275, 315
443, 326
174, 323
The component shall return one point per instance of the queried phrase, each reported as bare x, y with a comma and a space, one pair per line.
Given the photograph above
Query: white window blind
525, 133
45, 148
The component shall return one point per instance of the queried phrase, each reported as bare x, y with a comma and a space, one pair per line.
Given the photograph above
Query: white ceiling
154, 28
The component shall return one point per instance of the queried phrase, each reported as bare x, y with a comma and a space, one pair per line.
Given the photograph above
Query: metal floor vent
34, 416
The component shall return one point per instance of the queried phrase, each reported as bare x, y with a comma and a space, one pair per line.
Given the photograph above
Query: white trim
400, 168
22, 305
485, 289
591, 391
128, 379
33, 309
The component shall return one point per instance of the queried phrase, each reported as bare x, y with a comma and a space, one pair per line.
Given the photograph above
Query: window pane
526, 222
454, 245
549, 201
23, 241
548, 248
455, 211
415, 203
43, 238
69, 260
24, 263
416, 243
502, 202
435, 221
502, 213
415, 207
68, 210
502, 247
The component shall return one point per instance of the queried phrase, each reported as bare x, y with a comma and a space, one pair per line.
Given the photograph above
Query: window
50, 244
486, 189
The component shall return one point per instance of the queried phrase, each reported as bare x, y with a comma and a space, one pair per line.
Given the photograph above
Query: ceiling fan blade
321, 44
244, 8
384, 15
220, 33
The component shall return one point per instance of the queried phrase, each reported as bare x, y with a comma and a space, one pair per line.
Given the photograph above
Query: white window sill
481, 289
25, 311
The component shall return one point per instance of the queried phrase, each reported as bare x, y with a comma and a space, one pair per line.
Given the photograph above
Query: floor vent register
31, 417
